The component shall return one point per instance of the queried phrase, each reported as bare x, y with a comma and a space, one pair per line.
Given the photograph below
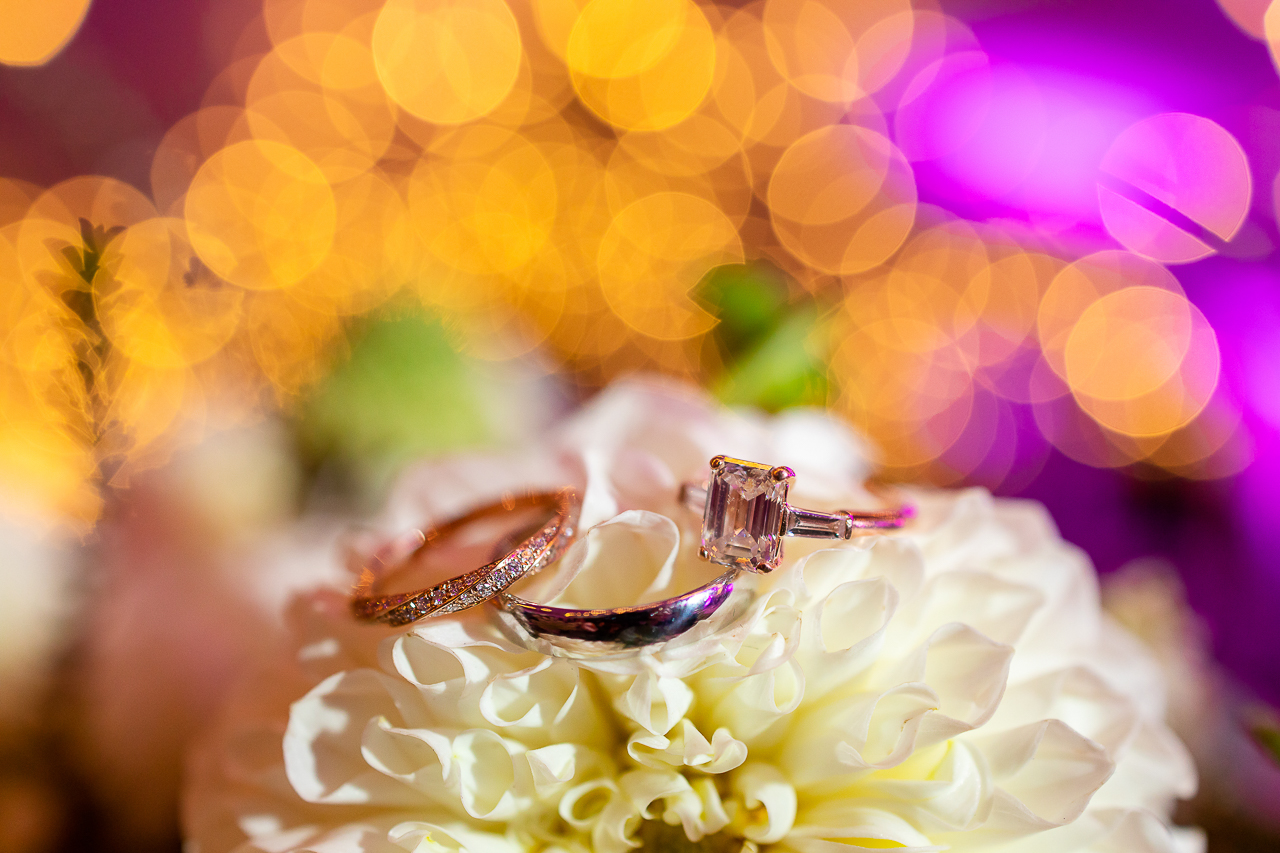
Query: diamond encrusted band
745, 515
478, 585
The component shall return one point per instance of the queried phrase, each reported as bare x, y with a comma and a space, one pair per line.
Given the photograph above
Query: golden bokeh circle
32, 33
447, 61
655, 250
842, 199
260, 214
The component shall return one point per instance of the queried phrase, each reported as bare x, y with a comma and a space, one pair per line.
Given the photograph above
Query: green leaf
96, 238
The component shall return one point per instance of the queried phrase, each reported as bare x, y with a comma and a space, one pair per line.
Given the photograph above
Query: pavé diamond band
745, 515
479, 585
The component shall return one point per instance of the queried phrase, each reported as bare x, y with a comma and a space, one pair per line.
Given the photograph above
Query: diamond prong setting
742, 522
745, 515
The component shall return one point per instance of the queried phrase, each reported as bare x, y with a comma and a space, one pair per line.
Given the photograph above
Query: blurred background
257, 255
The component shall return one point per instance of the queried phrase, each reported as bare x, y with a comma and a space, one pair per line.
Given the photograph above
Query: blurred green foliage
768, 343
402, 391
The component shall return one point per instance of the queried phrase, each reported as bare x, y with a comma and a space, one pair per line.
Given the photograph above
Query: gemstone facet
743, 519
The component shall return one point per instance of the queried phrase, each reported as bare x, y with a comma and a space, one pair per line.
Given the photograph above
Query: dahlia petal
770, 803
324, 739
1046, 773
1078, 697
655, 703
996, 607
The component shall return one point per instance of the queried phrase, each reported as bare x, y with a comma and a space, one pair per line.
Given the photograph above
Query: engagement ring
745, 515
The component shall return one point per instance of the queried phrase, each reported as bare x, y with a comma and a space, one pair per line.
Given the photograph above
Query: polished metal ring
565, 631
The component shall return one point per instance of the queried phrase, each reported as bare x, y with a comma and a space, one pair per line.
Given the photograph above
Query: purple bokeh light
1022, 138
1062, 82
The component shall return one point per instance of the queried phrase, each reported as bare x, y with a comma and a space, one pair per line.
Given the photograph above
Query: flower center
658, 837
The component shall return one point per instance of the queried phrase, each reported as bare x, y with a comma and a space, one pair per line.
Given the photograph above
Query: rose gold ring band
478, 585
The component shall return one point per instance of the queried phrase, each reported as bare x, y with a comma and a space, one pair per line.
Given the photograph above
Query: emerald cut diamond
742, 523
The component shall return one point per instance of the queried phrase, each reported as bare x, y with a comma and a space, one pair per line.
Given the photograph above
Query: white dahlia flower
951, 687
